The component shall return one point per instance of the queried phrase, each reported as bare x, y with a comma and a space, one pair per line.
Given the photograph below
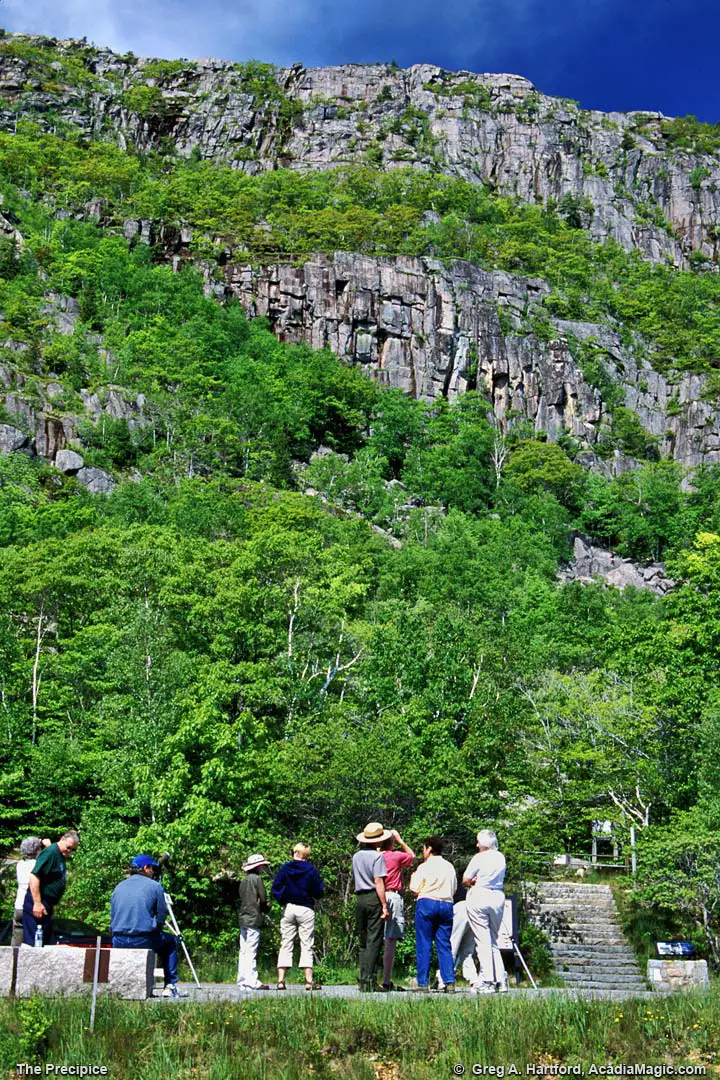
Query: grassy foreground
366, 1040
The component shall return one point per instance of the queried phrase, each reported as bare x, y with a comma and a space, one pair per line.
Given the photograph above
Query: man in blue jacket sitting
137, 915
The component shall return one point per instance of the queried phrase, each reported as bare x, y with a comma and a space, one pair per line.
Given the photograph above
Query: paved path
231, 992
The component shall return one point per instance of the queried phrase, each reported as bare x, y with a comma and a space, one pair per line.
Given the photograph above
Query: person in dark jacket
46, 886
297, 886
137, 915
252, 908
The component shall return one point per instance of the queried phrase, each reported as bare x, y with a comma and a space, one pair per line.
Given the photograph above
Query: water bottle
39, 937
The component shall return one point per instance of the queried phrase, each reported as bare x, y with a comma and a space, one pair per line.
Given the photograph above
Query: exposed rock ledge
497, 128
438, 329
591, 563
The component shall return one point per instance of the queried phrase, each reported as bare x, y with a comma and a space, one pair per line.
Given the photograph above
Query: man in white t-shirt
30, 848
484, 879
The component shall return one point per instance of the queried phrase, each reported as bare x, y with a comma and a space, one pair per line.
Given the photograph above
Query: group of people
464, 928
460, 928
138, 909
41, 879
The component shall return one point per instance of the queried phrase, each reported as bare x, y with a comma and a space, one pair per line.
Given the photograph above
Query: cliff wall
646, 188
433, 329
419, 324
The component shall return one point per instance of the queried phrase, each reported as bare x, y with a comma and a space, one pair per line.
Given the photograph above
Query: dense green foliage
689, 133
212, 661
209, 661
363, 209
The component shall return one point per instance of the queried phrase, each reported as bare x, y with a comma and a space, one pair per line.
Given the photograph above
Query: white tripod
172, 921
520, 956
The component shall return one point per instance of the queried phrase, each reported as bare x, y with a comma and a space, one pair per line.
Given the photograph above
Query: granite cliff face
643, 189
433, 329
426, 327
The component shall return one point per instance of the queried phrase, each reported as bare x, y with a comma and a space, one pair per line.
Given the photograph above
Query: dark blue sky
608, 54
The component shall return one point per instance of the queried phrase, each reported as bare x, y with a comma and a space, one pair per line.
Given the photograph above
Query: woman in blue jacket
296, 887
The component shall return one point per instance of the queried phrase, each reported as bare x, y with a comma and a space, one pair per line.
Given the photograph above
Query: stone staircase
588, 947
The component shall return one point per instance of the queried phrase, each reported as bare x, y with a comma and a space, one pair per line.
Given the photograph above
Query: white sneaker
483, 988
171, 991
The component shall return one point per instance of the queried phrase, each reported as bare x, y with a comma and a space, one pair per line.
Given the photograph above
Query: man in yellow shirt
434, 883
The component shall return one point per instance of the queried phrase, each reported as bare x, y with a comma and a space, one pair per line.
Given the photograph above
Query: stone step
588, 962
596, 994
569, 887
589, 905
580, 925
586, 936
596, 984
601, 976
568, 939
588, 947
560, 949
597, 970
581, 963
592, 896
629, 982
569, 930
604, 933
600, 972
589, 892
611, 980
562, 915
574, 898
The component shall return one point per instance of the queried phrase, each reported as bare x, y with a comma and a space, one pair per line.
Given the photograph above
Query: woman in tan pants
297, 886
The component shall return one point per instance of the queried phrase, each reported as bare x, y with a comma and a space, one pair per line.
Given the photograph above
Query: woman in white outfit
484, 879
29, 851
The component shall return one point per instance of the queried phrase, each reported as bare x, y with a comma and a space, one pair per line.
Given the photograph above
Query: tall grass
295, 1038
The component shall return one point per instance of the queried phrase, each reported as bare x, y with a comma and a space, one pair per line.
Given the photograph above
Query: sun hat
374, 833
141, 861
254, 862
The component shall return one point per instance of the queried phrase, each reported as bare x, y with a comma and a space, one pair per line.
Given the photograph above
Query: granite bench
64, 969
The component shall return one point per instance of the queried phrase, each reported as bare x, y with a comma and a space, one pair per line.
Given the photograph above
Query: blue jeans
165, 945
433, 922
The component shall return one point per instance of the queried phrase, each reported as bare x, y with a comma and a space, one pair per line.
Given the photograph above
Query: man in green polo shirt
47, 884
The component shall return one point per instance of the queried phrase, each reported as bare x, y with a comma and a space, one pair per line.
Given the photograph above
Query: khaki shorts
395, 926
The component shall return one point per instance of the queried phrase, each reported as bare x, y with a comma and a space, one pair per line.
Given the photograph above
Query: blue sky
609, 54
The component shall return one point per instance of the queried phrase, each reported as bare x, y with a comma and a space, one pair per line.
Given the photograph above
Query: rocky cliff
591, 563
424, 326
648, 183
433, 329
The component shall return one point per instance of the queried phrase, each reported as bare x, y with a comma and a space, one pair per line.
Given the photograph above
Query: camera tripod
521, 958
163, 865
172, 922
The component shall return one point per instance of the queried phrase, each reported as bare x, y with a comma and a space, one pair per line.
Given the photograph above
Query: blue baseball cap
141, 861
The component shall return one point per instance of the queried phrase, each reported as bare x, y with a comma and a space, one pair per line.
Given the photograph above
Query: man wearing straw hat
252, 908
371, 910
